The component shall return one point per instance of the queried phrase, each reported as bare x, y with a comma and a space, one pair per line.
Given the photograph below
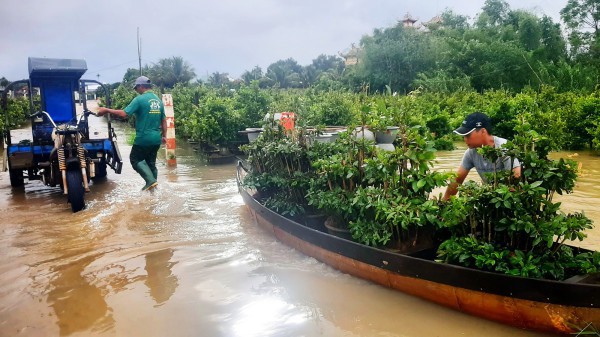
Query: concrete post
170, 114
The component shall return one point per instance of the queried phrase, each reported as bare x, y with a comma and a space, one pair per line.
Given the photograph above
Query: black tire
75, 189
16, 178
100, 171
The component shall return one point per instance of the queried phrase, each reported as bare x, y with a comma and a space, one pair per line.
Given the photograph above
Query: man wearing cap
150, 129
476, 130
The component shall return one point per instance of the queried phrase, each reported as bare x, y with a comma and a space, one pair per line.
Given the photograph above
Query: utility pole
139, 46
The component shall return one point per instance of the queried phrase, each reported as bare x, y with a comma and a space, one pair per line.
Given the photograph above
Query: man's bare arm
163, 126
103, 111
452, 188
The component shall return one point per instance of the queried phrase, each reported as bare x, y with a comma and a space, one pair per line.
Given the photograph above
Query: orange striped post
170, 115
287, 121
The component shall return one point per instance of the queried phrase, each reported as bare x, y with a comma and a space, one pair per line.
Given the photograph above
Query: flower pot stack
385, 139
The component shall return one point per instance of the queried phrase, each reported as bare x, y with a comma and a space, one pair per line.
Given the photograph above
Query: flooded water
188, 260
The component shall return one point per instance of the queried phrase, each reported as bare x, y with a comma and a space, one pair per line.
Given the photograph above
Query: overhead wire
113, 66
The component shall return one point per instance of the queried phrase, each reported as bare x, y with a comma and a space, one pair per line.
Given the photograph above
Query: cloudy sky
219, 35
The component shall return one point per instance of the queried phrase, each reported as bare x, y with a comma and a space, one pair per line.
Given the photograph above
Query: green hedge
570, 120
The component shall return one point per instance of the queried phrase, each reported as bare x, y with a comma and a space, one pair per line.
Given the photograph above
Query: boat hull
533, 304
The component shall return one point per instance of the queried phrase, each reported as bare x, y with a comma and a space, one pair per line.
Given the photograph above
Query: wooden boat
535, 304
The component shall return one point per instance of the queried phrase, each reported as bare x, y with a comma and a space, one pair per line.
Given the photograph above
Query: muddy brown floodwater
188, 260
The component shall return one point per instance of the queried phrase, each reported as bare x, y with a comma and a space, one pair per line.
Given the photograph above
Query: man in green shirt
150, 129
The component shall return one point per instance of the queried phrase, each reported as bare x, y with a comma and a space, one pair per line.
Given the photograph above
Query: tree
393, 57
218, 80
495, 13
582, 18
168, 72
527, 28
504, 49
252, 104
330, 66
325, 63
132, 73
453, 21
285, 74
554, 45
255, 74
309, 76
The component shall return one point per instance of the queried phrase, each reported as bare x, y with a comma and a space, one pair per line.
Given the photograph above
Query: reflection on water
160, 280
265, 316
188, 260
78, 305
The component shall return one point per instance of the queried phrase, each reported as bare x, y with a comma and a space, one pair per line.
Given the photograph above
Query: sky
225, 36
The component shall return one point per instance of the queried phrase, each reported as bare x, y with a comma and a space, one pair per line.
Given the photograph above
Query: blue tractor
60, 151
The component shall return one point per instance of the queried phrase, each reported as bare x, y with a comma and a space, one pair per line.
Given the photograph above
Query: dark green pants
143, 161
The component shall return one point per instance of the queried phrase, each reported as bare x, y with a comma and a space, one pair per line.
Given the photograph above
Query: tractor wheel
100, 171
76, 191
16, 178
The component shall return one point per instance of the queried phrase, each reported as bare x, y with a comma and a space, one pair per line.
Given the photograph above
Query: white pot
362, 132
324, 138
253, 133
386, 147
388, 136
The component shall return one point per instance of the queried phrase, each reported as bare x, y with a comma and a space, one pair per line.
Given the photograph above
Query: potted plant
380, 120
274, 159
338, 172
381, 197
512, 225
398, 212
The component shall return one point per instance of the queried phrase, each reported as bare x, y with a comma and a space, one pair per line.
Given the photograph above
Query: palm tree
168, 72
254, 74
285, 73
218, 79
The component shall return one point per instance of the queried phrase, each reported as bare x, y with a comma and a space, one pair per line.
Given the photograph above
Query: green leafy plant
383, 196
17, 110
279, 170
378, 115
512, 225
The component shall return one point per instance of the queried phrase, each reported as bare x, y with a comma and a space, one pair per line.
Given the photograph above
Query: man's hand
164, 140
452, 189
102, 111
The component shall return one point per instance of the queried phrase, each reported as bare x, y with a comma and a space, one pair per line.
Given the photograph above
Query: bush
512, 225
17, 110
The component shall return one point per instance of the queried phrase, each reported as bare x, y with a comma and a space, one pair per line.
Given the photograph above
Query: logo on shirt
154, 104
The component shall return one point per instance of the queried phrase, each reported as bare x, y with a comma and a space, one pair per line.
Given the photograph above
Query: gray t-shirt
473, 159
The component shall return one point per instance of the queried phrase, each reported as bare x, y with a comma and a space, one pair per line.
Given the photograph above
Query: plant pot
334, 136
386, 147
253, 133
362, 132
343, 233
424, 240
323, 138
388, 136
316, 221
335, 132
